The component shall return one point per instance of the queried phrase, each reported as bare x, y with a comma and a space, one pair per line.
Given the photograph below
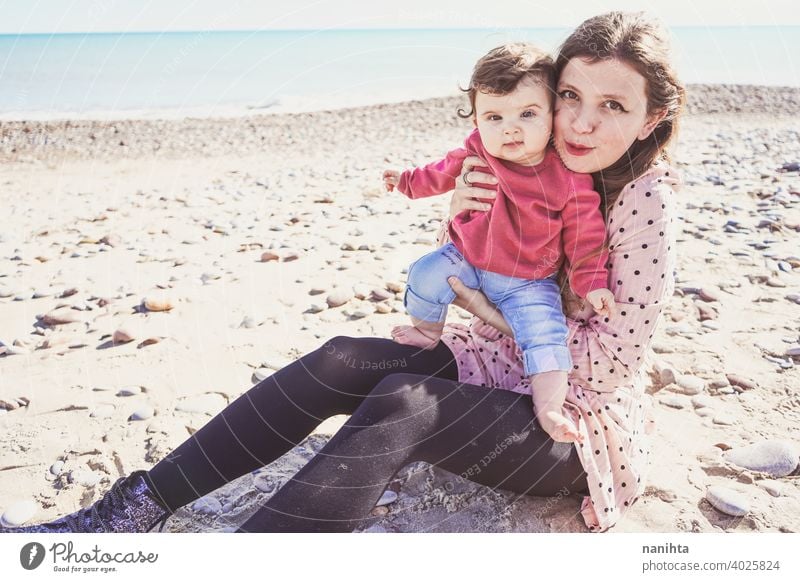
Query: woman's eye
528, 113
567, 94
614, 106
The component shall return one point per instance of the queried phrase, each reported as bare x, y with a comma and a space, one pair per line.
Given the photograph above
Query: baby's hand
391, 178
603, 302
559, 427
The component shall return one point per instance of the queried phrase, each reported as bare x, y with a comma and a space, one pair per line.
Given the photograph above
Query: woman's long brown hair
642, 43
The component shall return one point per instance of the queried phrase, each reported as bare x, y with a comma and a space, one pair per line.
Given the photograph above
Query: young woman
617, 107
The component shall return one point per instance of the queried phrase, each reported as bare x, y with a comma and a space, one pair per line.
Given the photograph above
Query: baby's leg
549, 389
421, 333
428, 294
533, 310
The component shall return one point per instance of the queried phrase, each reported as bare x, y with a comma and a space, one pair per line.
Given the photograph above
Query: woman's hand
474, 301
471, 186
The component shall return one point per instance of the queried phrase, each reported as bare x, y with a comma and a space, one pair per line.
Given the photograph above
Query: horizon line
363, 29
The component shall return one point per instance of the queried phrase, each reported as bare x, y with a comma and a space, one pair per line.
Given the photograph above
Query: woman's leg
489, 436
279, 412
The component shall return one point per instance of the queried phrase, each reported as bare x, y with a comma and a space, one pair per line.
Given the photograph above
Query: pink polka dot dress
606, 397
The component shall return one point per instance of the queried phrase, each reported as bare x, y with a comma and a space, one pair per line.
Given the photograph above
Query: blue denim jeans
532, 307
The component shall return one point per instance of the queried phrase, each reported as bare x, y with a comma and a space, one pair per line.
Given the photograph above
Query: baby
543, 214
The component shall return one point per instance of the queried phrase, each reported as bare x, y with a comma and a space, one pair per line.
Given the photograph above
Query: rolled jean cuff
546, 359
423, 309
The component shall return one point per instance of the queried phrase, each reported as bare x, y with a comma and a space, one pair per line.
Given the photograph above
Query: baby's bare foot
560, 428
412, 336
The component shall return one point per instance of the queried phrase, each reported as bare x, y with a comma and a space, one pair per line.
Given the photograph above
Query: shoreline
249, 134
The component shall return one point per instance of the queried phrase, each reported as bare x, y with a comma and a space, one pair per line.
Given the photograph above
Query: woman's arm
474, 301
607, 352
465, 197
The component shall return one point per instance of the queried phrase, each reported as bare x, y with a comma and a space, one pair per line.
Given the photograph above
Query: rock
123, 335
382, 294
667, 375
741, 381
705, 312
84, 477
316, 291
724, 419
291, 256
702, 401
395, 286
248, 322
316, 308
56, 468
779, 458
794, 297
103, 411
690, 385
727, 501
775, 282
19, 512
143, 413
662, 348
709, 294
673, 402
209, 404
338, 298
360, 314
268, 256
383, 308
793, 351
388, 497
262, 373
207, 505
265, 483
361, 291
61, 316
131, 390
158, 302
774, 488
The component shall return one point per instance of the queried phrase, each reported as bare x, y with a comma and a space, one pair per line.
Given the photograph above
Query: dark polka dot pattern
606, 352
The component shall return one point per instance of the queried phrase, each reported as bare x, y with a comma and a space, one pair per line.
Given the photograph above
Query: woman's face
601, 109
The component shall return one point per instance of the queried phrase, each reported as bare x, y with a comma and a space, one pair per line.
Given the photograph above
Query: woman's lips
576, 149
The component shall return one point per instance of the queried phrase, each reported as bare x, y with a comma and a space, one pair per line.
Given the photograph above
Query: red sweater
542, 215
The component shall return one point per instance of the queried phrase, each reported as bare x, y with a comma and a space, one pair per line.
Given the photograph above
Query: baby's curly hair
501, 69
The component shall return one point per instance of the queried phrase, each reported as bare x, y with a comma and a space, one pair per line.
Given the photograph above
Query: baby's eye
613, 106
528, 113
567, 94
495, 118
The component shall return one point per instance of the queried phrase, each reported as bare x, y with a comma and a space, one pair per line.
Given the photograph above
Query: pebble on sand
207, 505
690, 385
61, 316
727, 501
776, 457
18, 513
209, 404
158, 302
339, 298
741, 381
142, 413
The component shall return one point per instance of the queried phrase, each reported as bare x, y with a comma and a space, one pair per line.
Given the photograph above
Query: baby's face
515, 127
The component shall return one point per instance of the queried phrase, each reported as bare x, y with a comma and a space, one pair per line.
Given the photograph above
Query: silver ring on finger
466, 180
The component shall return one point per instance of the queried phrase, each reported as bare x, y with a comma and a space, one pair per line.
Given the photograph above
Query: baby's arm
435, 178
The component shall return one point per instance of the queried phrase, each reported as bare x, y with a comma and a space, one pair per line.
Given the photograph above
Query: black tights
406, 405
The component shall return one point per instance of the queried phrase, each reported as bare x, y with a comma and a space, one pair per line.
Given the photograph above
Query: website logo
31, 555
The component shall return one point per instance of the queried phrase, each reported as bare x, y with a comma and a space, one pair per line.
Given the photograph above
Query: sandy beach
151, 271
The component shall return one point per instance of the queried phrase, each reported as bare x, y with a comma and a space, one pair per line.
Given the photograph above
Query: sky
63, 16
